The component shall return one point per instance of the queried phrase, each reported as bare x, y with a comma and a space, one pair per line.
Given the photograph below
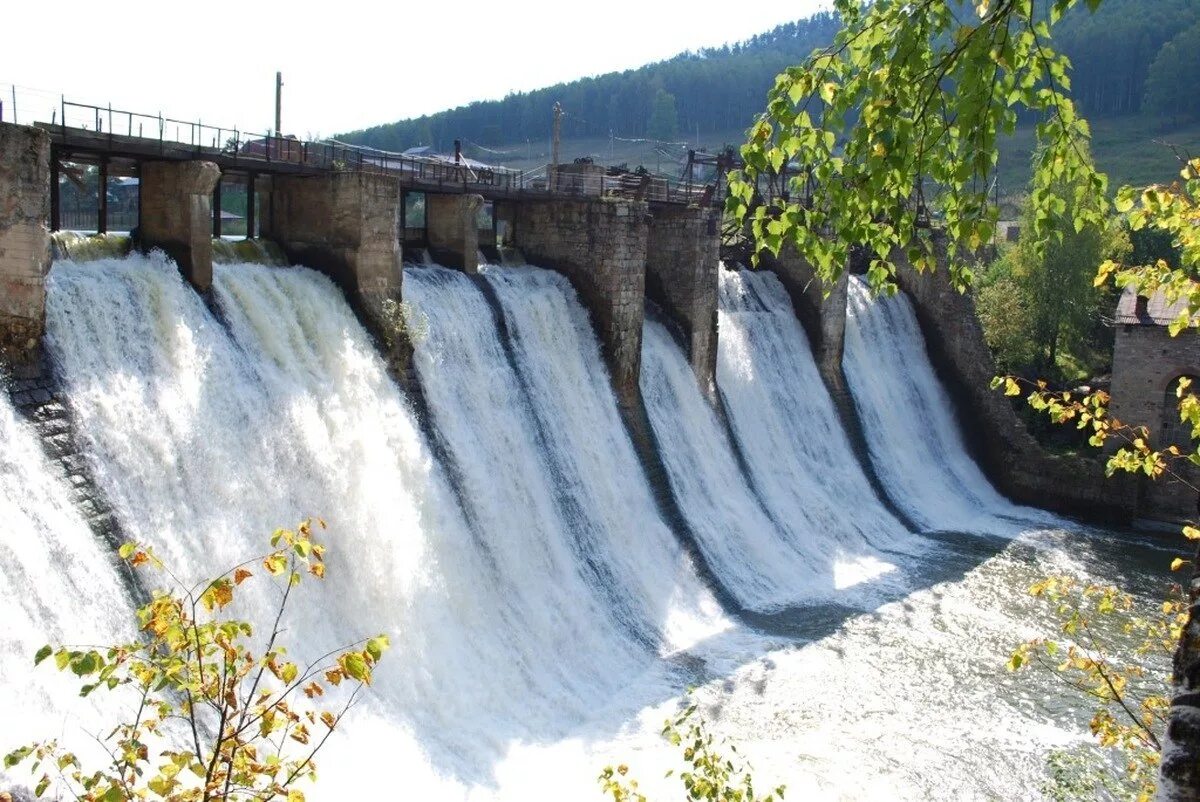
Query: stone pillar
600, 245
820, 307
1147, 361
682, 260
177, 216
24, 242
1005, 449
452, 230
345, 225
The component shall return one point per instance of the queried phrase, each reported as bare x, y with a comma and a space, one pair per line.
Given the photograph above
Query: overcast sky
345, 65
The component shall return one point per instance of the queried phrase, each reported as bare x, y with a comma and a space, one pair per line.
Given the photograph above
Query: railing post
102, 204
55, 200
251, 204
216, 211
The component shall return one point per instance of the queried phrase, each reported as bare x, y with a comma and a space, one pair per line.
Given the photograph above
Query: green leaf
376, 646
42, 654
355, 666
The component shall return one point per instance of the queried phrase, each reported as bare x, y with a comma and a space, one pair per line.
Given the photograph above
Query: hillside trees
720, 89
664, 119
1166, 94
1040, 309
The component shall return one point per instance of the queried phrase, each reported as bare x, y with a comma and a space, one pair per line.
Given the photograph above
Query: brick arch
1171, 429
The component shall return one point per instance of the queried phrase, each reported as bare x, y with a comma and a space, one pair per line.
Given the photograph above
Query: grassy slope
1132, 150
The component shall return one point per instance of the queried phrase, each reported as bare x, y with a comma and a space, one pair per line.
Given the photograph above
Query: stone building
1147, 366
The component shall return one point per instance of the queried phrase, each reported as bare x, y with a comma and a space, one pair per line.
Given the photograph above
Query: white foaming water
549, 627
593, 463
533, 520
800, 460
58, 586
210, 436
764, 568
915, 442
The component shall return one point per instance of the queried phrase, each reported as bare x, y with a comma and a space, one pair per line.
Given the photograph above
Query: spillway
768, 565
544, 618
914, 439
801, 463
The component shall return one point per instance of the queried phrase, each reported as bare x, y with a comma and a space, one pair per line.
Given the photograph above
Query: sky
346, 65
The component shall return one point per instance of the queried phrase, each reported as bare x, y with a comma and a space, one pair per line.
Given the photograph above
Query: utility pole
278, 104
558, 112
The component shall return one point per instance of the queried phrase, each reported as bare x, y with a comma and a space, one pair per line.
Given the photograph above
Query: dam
576, 480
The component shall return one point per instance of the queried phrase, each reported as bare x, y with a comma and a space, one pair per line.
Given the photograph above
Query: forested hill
1129, 57
719, 89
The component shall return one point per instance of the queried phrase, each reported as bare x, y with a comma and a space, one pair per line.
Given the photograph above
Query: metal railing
234, 146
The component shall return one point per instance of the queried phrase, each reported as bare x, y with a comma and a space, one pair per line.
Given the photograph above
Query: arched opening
1173, 431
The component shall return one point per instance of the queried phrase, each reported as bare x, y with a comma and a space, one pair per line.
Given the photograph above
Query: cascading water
543, 618
801, 462
523, 487
211, 437
915, 442
58, 585
766, 566
592, 460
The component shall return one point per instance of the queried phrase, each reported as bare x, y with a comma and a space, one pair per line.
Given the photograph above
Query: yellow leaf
295, 795
275, 563
241, 575
1177, 563
1191, 533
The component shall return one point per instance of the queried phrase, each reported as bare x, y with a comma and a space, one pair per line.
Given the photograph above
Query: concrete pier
24, 242
345, 225
600, 245
820, 307
682, 260
177, 216
452, 231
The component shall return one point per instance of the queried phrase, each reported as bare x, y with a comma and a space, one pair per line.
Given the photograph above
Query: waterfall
544, 618
801, 463
210, 432
522, 489
58, 586
915, 441
591, 457
764, 564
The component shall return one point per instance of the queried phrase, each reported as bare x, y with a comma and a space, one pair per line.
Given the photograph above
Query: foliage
1166, 94
1131, 701
708, 774
899, 118
214, 719
719, 89
1038, 301
1003, 303
401, 323
1074, 774
1172, 211
664, 119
